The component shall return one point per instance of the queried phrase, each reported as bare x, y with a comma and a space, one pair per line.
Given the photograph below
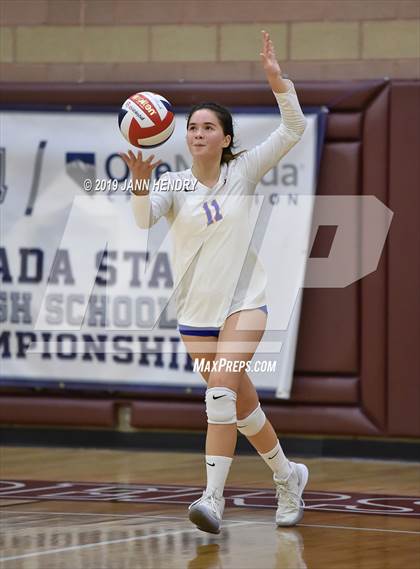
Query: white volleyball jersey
216, 272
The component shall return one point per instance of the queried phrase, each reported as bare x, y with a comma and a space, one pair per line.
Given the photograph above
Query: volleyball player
220, 283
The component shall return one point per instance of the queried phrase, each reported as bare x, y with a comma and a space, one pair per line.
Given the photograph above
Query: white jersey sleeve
148, 209
255, 163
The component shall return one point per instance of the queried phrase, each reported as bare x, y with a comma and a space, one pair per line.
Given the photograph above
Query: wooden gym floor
103, 509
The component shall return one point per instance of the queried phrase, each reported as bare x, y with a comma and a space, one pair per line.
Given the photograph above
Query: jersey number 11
217, 215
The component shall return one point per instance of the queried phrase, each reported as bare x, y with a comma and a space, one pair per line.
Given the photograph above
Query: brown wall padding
358, 358
324, 419
15, 410
403, 387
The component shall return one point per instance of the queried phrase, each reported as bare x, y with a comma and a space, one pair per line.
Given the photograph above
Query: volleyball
146, 119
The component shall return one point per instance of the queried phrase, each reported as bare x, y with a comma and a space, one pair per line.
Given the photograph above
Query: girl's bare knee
245, 408
247, 400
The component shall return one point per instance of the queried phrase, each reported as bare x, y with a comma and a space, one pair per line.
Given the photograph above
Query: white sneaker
289, 495
206, 512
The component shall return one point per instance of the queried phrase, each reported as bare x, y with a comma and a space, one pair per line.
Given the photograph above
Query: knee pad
221, 405
252, 424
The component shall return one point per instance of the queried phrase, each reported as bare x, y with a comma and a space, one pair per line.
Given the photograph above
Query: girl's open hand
140, 169
268, 57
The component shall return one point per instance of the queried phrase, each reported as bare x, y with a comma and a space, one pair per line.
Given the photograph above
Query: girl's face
205, 136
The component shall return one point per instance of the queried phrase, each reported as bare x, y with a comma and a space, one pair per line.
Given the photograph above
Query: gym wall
358, 357
117, 41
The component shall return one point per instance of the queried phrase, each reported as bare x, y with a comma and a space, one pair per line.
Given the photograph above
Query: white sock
217, 471
277, 461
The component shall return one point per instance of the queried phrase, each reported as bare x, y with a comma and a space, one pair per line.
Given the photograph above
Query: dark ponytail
225, 119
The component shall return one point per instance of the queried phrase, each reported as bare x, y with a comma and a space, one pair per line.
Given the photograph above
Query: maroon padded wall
358, 364
403, 388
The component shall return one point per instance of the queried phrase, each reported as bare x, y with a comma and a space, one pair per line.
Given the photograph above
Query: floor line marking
357, 529
91, 514
236, 522
108, 542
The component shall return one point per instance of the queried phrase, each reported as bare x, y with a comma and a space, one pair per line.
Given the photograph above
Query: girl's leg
290, 478
244, 330
265, 440
207, 511
254, 425
238, 347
